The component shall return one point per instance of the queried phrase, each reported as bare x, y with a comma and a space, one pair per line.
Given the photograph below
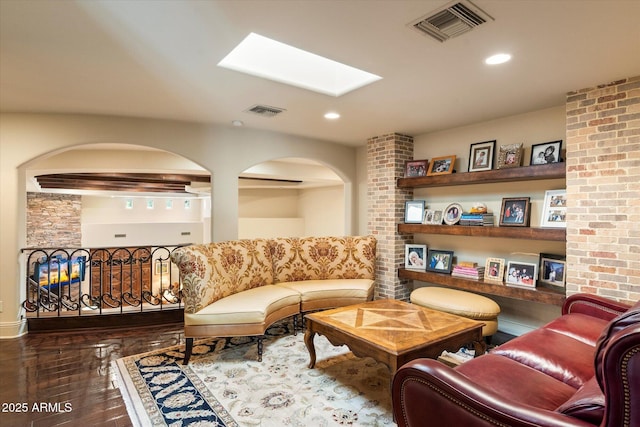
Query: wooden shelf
524, 173
541, 295
529, 233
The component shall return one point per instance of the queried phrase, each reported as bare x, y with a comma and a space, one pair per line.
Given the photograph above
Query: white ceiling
158, 59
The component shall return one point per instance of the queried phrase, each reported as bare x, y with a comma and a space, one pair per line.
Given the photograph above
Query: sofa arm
594, 305
428, 393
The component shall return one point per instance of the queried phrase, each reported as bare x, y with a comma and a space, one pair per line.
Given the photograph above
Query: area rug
224, 385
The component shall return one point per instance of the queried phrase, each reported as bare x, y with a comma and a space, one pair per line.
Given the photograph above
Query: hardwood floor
66, 378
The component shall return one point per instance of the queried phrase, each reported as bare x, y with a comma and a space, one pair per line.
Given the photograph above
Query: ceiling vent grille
265, 110
452, 20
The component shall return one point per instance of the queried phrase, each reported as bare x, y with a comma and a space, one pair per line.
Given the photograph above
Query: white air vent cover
451, 20
264, 110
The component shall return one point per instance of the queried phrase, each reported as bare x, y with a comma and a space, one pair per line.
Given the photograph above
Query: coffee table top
394, 326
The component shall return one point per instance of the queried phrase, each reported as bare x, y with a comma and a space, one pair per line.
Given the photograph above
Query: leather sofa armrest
427, 393
593, 305
620, 377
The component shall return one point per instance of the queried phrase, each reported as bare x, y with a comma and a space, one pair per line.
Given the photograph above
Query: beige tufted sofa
241, 287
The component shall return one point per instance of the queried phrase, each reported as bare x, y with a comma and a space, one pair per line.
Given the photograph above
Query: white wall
323, 211
224, 151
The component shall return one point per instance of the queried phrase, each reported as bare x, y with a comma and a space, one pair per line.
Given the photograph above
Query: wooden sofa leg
187, 351
260, 339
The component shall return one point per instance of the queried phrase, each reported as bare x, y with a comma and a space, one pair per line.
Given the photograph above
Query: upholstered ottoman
460, 303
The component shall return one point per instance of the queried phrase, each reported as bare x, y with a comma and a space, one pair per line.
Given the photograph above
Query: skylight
263, 57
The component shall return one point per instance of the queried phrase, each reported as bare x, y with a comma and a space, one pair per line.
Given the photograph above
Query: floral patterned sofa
241, 287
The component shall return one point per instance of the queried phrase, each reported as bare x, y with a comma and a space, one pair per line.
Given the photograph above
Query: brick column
386, 157
603, 171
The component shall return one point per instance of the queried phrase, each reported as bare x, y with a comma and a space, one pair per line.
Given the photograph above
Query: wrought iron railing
96, 281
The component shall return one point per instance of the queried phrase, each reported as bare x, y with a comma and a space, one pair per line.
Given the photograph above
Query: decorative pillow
587, 404
320, 258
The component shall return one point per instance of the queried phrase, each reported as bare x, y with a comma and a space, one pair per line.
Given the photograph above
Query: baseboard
15, 329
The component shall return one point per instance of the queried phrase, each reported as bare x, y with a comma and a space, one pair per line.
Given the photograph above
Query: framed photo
521, 274
545, 153
481, 156
554, 210
510, 156
452, 213
494, 270
414, 211
428, 216
414, 168
552, 271
161, 267
515, 212
440, 261
415, 257
437, 217
441, 165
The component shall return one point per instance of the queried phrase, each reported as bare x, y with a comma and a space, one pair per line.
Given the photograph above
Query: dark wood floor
73, 371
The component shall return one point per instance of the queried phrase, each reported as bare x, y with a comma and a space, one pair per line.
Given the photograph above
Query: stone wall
603, 190
386, 158
54, 220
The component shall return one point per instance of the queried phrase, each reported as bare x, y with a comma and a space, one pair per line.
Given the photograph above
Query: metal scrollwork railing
90, 281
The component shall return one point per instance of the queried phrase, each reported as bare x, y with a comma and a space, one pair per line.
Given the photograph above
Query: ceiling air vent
452, 20
265, 110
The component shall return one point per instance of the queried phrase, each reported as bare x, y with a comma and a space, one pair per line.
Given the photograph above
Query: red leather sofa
581, 369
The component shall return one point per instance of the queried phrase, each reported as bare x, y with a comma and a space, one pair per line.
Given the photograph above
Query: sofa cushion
319, 258
558, 355
311, 290
526, 385
250, 306
216, 270
581, 327
587, 404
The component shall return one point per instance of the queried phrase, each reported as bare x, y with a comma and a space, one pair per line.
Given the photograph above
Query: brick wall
386, 157
603, 190
53, 220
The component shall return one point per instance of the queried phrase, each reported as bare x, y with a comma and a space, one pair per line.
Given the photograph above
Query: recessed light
237, 123
332, 115
263, 57
499, 58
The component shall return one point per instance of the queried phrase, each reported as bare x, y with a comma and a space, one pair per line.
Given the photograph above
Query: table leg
308, 340
480, 347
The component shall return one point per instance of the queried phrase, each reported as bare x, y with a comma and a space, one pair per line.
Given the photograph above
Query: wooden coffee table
393, 332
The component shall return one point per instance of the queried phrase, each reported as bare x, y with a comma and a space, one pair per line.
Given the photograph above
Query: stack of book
485, 219
468, 270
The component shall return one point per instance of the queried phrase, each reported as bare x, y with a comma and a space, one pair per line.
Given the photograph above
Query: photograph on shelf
441, 165
415, 168
515, 212
552, 271
414, 211
494, 270
437, 217
554, 209
521, 274
452, 213
481, 156
428, 216
415, 257
510, 156
545, 153
440, 261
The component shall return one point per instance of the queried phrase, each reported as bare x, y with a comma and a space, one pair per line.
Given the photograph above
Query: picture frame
494, 270
441, 165
552, 270
510, 156
414, 211
515, 212
452, 214
428, 216
415, 256
440, 261
161, 267
481, 156
416, 168
521, 274
545, 153
554, 209
437, 217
